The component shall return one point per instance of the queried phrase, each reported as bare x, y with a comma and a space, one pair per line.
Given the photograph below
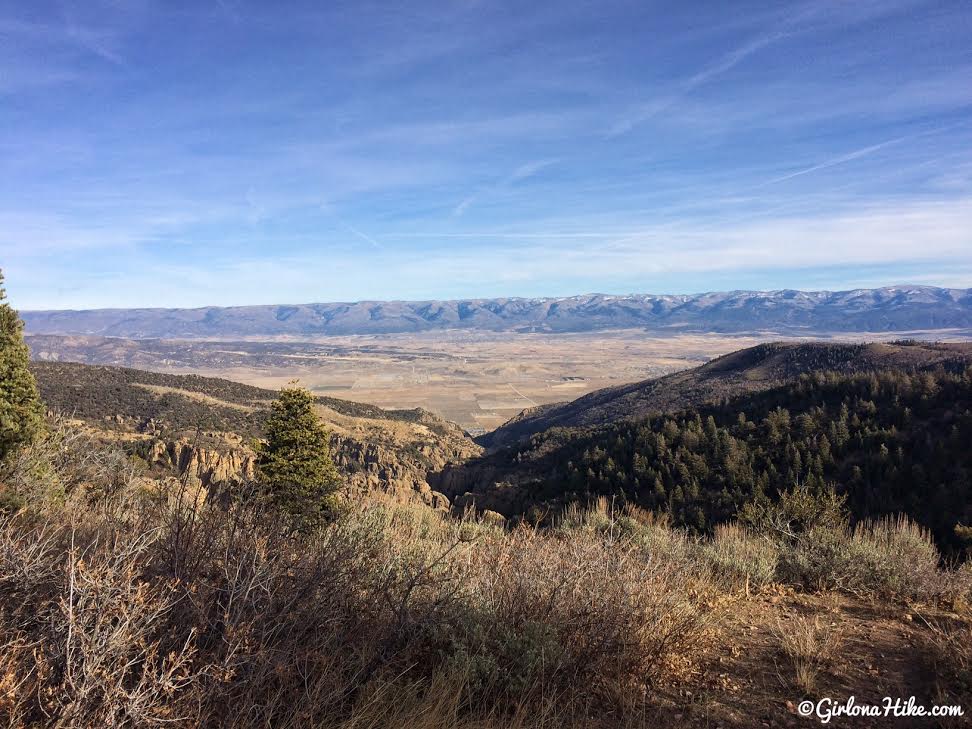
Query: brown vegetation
133, 606
810, 644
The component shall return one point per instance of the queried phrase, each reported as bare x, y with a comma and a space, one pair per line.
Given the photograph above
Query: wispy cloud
363, 236
791, 22
522, 172
839, 160
856, 154
102, 42
913, 237
686, 86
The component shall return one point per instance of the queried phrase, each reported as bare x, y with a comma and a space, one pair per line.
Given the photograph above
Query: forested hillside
891, 441
754, 369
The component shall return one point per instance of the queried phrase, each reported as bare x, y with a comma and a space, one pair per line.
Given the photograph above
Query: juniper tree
21, 412
295, 466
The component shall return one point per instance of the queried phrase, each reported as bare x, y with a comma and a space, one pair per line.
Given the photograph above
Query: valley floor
478, 380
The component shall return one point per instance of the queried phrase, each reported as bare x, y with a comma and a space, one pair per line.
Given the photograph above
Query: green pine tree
295, 465
21, 412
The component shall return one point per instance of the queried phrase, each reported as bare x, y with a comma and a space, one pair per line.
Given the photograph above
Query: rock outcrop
209, 466
376, 467
366, 466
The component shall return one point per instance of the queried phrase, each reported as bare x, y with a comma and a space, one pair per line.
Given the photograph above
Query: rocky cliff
205, 429
366, 466
208, 466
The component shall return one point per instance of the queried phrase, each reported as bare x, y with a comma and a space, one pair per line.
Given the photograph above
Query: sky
226, 153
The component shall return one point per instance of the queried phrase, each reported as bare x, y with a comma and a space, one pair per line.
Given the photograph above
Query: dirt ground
746, 678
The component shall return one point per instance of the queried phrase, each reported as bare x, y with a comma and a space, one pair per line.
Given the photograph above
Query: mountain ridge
890, 308
749, 370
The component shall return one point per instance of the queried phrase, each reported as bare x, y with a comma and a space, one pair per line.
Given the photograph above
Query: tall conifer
21, 412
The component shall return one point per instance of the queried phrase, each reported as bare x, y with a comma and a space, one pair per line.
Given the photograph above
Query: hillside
749, 370
896, 308
890, 441
204, 425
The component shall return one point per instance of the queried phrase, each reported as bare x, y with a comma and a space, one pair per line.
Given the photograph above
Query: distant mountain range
893, 308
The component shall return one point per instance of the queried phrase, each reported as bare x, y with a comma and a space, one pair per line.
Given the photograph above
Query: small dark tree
21, 412
295, 465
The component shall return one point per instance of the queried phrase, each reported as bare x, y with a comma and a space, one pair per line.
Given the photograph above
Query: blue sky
182, 154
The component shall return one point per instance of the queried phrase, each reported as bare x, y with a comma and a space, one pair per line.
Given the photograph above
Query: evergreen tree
295, 465
21, 412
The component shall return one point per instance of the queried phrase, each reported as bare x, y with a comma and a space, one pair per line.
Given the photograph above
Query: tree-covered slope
891, 440
159, 415
754, 369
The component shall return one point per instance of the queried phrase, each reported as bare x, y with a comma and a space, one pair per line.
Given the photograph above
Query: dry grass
168, 609
198, 396
810, 644
740, 559
948, 648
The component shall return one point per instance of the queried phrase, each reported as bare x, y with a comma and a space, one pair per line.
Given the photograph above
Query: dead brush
69, 462
948, 650
577, 611
810, 645
84, 635
188, 612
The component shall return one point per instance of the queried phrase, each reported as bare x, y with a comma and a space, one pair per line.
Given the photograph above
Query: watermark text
826, 709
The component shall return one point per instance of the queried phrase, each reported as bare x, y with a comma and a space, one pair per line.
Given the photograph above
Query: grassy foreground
126, 603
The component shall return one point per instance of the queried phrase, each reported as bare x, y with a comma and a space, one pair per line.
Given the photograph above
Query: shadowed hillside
888, 425
749, 370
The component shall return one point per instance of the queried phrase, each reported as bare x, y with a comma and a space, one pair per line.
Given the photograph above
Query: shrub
637, 528
901, 557
821, 559
181, 611
740, 559
798, 511
565, 612
891, 558
66, 462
